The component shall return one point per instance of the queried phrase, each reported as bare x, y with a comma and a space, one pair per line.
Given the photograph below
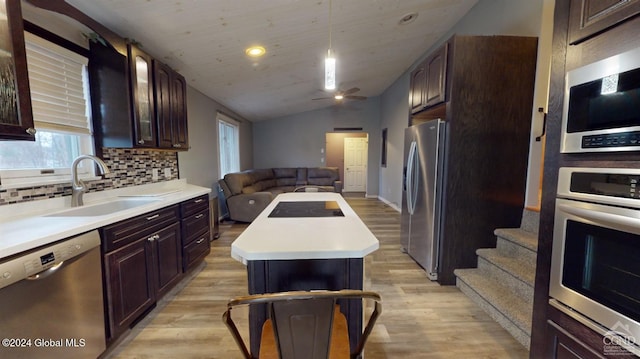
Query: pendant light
330, 62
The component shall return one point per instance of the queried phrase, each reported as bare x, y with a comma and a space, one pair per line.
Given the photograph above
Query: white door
355, 164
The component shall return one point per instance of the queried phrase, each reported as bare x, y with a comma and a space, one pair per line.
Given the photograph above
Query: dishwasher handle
47, 272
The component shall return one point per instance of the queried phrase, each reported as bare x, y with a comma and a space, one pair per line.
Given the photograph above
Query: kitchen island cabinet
299, 251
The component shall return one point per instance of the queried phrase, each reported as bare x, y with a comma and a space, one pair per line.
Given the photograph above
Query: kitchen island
305, 241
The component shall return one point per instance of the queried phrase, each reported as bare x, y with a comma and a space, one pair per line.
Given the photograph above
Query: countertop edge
28, 233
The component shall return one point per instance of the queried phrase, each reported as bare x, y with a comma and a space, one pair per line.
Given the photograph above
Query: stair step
519, 237
530, 221
513, 266
516, 243
499, 301
510, 272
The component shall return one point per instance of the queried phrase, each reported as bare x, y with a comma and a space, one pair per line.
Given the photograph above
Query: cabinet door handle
141, 142
31, 131
153, 238
200, 240
199, 216
198, 200
153, 217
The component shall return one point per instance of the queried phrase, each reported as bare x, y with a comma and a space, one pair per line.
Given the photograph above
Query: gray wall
297, 140
488, 17
199, 165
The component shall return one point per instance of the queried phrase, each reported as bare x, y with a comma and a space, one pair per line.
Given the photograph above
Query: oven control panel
615, 186
611, 140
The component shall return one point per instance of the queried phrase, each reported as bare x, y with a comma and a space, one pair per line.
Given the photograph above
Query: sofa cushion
285, 176
259, 186
322, 176
238, 181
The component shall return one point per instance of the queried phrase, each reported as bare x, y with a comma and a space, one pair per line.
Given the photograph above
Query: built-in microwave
595, 262
601, 109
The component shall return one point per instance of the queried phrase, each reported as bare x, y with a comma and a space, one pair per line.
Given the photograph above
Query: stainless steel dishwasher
51, 302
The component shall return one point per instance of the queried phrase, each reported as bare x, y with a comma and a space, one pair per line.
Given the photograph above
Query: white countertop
26, 225
269, 238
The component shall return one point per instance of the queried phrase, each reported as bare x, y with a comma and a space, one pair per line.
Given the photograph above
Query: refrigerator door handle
410, 178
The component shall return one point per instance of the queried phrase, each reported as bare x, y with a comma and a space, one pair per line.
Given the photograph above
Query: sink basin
104, 208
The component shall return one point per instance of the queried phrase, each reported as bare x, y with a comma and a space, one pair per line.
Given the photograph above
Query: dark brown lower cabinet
145, 265
147, 255
167, 253
567, 338
564, 345
196, 231
129, 285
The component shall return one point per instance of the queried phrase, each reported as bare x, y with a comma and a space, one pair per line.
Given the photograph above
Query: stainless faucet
77, 185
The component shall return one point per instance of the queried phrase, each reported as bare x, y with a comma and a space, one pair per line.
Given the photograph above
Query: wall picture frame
383, 146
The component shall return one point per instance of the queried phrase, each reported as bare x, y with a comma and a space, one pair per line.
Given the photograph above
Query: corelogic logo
618, 338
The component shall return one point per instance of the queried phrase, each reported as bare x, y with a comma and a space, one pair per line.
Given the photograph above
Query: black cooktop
307, 209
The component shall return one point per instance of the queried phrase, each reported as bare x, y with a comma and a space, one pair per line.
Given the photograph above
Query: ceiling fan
344, 95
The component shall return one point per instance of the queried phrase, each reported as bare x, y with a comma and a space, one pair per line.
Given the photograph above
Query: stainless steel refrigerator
422, 193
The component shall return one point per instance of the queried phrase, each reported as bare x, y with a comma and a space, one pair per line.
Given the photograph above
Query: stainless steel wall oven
595, 268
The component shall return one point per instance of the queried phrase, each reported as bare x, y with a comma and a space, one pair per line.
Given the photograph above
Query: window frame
16, 178
235, 125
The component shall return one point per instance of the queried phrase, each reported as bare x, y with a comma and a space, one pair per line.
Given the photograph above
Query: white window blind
228, 139
56, 79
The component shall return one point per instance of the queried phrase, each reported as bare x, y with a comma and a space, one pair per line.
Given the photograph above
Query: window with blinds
57, 81
60, 102
229, 142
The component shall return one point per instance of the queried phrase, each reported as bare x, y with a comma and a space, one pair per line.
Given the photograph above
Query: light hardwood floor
420, 319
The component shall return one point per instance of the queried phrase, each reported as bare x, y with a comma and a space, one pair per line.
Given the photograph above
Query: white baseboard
390, 204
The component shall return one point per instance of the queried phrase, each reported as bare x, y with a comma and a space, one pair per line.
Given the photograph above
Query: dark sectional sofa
247, 193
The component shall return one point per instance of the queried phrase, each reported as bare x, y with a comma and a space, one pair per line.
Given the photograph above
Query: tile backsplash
129, 167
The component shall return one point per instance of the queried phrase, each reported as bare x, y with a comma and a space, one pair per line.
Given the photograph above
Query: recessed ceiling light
255, 51
408, 18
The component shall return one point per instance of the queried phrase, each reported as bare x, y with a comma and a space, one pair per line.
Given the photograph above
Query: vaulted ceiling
205, 41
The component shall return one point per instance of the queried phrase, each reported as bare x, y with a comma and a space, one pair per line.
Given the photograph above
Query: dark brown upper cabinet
428, 81
436, 67
16, 117
171, 110
141, 77
588, 18
418, 82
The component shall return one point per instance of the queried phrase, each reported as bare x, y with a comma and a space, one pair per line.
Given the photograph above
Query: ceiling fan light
330, 73
338, 97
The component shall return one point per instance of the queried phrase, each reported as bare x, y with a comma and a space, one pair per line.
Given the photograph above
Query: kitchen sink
104, 208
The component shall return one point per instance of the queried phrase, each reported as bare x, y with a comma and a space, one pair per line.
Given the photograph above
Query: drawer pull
153, 238
200, 240
198, 200
153, 217
199, 216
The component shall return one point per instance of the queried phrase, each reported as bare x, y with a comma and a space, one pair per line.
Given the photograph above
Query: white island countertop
269, 238
28, 225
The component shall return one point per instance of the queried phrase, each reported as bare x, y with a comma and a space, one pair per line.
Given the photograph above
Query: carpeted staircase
503, 283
